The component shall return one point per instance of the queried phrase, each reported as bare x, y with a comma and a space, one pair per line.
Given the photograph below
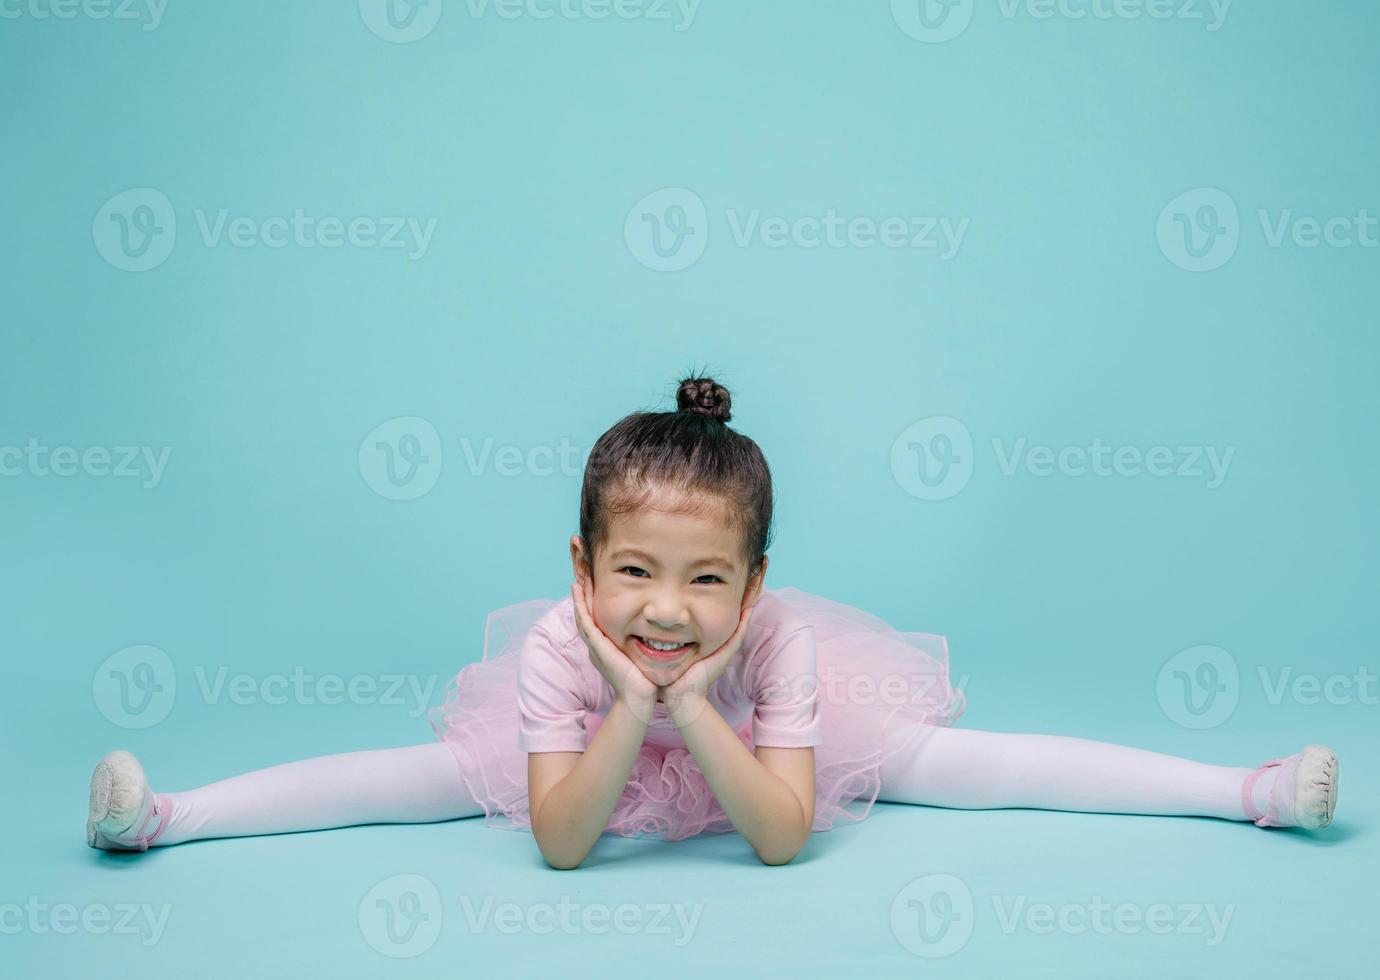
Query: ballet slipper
1304, 793
125, 814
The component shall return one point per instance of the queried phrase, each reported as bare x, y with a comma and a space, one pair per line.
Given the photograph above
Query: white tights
949, 767
415, 784
977, 770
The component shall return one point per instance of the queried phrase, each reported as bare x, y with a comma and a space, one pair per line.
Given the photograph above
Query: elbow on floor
786, 854
561, 862
775, 860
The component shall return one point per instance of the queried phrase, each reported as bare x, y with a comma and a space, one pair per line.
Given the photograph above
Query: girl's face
665, 576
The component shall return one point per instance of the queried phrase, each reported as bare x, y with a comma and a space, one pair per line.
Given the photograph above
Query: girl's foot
1304, 792
125, 814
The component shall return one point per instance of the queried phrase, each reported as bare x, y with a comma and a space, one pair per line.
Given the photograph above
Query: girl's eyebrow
713, 560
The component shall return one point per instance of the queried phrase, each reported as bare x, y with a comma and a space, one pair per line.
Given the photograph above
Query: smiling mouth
653, 654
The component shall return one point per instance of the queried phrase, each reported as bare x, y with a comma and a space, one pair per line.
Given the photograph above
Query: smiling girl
672, 694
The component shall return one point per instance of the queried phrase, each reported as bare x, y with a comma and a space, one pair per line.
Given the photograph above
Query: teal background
530, 320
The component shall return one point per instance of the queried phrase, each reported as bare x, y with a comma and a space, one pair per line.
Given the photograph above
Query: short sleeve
786, 691
551, 708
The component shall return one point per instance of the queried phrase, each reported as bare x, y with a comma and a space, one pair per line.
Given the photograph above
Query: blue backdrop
1056, 321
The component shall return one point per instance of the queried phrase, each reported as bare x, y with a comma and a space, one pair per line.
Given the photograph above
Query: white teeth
661, 646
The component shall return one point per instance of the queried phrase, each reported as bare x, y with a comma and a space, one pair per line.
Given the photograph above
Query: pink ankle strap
162, 808
1270, 818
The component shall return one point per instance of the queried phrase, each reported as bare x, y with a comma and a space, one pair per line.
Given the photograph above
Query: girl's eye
630, 569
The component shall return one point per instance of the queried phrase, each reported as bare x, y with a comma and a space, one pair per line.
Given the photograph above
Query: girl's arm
773, 814
571, 800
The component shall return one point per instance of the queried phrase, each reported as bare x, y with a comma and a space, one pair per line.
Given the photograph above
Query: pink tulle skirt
879, 690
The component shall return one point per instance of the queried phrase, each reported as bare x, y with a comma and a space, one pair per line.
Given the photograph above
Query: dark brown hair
691, 452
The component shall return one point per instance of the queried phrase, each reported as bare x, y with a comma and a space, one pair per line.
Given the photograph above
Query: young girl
671, 694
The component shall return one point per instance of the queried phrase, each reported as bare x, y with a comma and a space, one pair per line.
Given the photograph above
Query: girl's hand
629, 684
689, 692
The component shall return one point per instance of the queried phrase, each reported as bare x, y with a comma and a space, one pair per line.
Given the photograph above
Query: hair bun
704, 396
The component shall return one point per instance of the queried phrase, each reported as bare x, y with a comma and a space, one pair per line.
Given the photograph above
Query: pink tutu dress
810, 671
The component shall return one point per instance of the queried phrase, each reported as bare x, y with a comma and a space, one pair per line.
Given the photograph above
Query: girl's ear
578, 562
753, 592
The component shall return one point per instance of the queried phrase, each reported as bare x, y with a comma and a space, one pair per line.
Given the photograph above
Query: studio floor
910, 890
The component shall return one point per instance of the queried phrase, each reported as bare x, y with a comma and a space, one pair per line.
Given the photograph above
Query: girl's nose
666, 614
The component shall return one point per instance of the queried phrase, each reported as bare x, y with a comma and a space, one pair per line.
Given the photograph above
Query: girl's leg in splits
970, 769
414, 784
